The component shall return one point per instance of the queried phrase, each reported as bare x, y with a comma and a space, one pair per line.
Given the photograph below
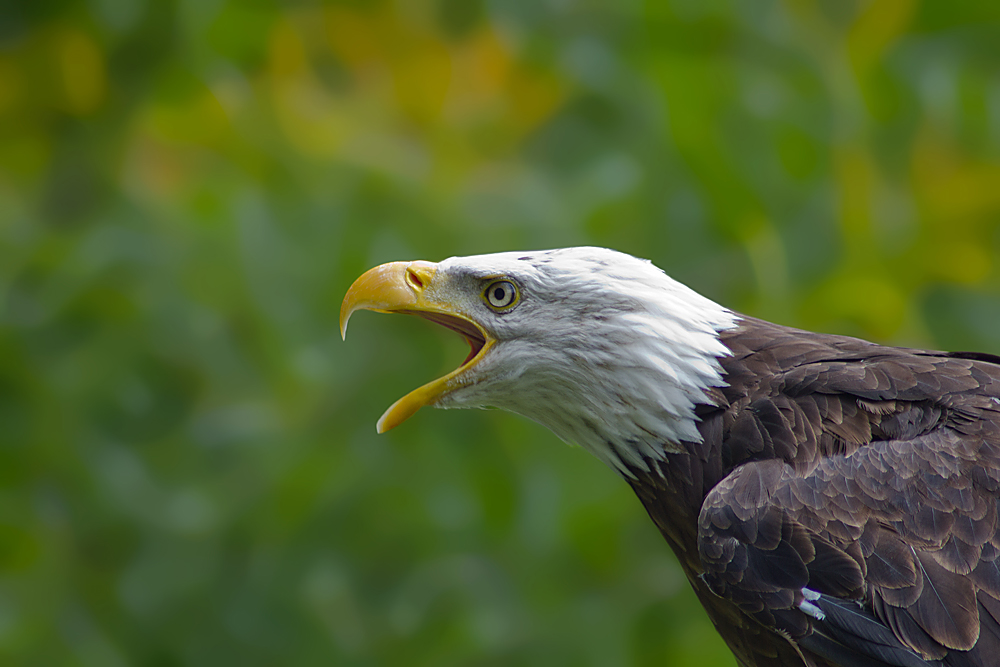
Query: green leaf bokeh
189, 471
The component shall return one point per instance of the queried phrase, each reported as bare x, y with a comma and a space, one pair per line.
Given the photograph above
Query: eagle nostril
413, 280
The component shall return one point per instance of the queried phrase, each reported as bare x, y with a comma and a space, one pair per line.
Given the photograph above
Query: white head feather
604, 349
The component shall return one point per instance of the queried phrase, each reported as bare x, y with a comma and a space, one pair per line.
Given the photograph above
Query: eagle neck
672, 491
643, 391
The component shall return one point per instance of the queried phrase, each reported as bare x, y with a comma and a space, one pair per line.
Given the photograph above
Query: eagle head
602, 348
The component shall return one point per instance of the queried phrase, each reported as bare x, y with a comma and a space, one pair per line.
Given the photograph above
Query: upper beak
410, 288
387, 288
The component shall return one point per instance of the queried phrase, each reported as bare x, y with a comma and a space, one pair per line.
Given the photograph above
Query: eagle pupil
499, 294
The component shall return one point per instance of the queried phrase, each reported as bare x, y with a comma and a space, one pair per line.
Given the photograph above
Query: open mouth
408, 288
479, 343
472, 335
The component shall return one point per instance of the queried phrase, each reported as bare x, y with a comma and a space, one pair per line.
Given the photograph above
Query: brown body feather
868, 474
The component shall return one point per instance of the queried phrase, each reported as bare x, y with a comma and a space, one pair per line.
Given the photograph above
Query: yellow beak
410, 288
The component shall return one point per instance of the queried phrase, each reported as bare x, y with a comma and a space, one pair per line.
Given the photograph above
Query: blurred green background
189, 470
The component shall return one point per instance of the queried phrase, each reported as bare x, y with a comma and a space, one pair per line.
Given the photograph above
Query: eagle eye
501, 295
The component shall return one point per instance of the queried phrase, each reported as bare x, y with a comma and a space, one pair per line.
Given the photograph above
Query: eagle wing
861, 515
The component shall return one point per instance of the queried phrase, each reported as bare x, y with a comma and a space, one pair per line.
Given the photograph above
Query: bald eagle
832, 501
